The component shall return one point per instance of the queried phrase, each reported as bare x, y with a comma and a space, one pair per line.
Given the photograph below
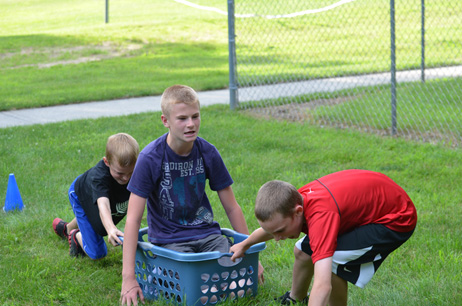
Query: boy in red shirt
352, 219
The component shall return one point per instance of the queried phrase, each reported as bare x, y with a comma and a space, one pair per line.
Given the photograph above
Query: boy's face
183, 122
121, 174
285, 227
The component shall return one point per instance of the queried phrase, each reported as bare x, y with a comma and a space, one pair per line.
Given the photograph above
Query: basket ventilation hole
249, 282
205, 277
215, 277
234, 274
214, 289
170, 273
213, 299
224, 286
205, 288
177, 276
241, 293
204, 300
241, 282
242, 271
224, 275
250, 270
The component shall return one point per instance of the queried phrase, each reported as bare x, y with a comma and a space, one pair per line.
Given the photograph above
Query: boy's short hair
178, 94
276, 197
123, 149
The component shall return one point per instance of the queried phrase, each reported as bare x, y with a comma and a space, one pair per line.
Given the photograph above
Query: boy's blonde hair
178, 94
123, 149
276, 197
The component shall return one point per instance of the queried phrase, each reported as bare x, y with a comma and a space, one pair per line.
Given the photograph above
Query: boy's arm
130, 287
237, 220
259, 235
113, 232
233, 210
322, 283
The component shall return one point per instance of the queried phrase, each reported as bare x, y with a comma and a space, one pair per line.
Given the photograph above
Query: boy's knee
96, 253
96, 256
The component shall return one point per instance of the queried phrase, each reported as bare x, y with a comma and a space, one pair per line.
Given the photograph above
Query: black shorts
360, 253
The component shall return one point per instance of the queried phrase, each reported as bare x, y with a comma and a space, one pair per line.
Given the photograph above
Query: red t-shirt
363, 197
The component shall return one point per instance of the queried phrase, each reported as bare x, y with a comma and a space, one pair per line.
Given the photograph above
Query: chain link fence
373, 65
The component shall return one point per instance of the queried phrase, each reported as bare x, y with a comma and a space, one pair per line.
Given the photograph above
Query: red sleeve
323, 228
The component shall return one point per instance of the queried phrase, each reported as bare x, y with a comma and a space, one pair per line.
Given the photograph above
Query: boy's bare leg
339, 294
72, 225
302, 275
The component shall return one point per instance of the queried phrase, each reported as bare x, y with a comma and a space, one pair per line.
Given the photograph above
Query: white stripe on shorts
366, 271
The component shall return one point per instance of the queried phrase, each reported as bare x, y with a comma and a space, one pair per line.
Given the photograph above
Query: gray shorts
210, 243
360, 252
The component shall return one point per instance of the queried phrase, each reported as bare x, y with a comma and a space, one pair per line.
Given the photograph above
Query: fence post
233, 101
107, 12
393, 68
422, 64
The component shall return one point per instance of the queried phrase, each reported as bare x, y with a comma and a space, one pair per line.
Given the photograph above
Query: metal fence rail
372, 65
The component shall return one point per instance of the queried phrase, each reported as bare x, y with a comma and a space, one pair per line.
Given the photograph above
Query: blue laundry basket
196, 278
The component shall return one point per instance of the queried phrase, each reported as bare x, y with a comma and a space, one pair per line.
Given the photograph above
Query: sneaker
60, 228
287, 300
75, 250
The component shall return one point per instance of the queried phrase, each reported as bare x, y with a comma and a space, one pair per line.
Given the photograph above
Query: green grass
36, 268
146, 47
351, 39
46, 45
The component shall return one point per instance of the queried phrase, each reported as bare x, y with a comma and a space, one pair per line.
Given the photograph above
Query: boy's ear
164, 120
106, 162
299, 209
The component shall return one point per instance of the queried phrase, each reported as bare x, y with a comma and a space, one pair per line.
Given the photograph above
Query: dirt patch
49, 57
295, 111
302, 112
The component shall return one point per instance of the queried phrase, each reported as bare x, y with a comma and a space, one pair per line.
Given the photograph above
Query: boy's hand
130, 292
261, 277
113, 237
238, 250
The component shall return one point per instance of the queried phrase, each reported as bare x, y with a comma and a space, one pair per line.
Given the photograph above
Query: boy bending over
99, 199
352, 219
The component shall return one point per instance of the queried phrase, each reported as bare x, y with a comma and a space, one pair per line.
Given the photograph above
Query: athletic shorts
360, 252
215, 242
93, 244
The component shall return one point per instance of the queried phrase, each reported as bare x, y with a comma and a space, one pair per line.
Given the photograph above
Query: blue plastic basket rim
194, 257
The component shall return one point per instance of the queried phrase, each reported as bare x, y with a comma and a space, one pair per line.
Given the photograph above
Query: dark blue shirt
178, 207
